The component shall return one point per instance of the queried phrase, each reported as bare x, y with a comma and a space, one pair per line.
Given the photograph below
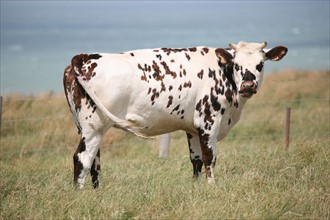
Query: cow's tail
119, 123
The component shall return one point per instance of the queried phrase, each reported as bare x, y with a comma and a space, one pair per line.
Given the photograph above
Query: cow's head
246, 61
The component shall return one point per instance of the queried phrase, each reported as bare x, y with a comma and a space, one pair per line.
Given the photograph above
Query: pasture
256, 177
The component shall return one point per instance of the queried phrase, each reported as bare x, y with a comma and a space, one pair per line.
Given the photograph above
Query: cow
200, 90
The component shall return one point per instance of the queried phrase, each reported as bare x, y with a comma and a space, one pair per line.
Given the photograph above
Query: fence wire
8, 122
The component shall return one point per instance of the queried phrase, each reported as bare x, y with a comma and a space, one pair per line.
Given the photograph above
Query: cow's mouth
247, 89
247, 93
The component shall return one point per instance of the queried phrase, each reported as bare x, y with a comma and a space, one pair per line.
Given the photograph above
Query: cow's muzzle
248, 88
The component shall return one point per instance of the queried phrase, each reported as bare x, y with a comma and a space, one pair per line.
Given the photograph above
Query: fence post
287, 127
0, 112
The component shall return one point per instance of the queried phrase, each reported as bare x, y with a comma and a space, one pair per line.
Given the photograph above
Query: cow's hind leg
95, 170
86, 158
77, 165
195, 154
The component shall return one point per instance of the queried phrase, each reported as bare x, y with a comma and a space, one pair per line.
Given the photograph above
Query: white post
164, 145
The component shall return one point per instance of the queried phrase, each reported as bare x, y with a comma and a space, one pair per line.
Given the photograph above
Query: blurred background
39, 38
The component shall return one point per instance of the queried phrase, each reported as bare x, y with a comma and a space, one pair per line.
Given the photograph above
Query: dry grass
256, 177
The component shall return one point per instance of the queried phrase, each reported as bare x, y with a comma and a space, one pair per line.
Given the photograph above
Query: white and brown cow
199, 90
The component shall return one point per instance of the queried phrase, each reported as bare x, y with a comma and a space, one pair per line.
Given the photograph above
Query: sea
39, 38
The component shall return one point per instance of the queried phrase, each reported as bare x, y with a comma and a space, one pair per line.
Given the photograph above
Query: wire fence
279, 103
47, 119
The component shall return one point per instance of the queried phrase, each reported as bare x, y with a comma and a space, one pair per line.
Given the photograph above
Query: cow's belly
155, 121
135, 105
155, 125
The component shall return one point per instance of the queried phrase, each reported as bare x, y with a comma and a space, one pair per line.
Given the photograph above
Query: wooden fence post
287, 127
0, 112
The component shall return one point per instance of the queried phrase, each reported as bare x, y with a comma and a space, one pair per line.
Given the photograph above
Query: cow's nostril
248, 85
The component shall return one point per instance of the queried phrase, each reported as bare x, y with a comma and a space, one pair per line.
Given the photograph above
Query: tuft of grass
256, 177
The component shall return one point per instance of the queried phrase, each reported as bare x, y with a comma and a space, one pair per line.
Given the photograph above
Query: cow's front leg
195, 154
85, 156
208, 148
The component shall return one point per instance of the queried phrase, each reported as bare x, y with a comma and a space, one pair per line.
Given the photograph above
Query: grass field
256, 177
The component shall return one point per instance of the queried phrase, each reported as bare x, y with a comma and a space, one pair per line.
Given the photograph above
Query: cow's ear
277, 53
223, 55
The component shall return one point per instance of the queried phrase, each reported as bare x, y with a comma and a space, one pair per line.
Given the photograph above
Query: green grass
256, 177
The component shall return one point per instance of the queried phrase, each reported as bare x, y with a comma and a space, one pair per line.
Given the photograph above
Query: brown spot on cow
175, 109
212, 74
167, 70
183, 73
163, 87
205, 49
200, 74
199, 107
140, 67
229, 95
187, 84
154, 95
236, 67
207, 114
157, 76
214, 101
192, 49
155, 67
170, 101
132, 54
144, 76
187, 56
223, 111
94, 56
